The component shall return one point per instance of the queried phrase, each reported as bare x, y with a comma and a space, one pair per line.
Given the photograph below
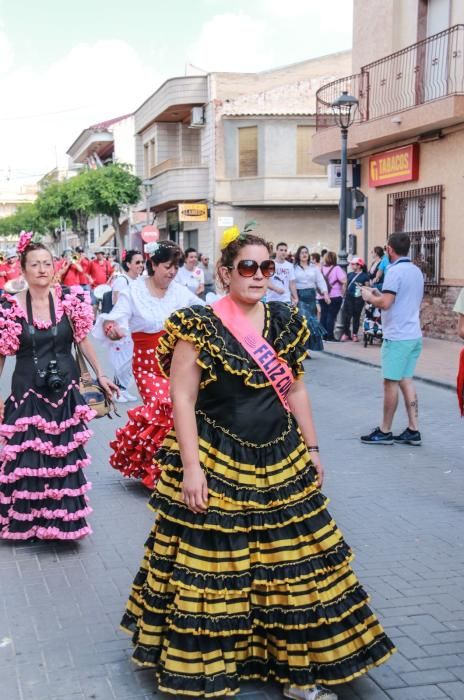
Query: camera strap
31, 328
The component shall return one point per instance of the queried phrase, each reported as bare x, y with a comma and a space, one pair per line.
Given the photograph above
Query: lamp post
344, 109
148, 187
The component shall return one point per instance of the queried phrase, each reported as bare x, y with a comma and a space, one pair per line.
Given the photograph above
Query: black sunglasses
249, 268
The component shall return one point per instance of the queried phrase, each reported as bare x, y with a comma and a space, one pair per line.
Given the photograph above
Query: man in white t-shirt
400, 302
282, 285
190, 274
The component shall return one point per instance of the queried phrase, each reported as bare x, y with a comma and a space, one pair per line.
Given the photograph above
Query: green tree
72, 200
26, 218
114, 188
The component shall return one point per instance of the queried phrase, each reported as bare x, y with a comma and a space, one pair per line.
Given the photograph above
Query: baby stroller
372, 327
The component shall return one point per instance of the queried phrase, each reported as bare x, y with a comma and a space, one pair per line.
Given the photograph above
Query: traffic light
356, 203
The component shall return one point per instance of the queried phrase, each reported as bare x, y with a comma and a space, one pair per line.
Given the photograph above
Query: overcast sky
66, 65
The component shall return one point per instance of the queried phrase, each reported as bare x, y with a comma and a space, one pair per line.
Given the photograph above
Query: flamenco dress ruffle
42, 486
260, 585
137, 442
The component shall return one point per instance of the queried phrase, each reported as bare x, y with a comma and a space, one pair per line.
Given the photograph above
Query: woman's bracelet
313, 448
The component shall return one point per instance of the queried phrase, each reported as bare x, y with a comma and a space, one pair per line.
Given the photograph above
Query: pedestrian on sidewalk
335, 279
400, 302
353, 302
245, 573
282, 286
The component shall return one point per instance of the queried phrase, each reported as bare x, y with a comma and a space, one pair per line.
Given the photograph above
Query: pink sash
275, 369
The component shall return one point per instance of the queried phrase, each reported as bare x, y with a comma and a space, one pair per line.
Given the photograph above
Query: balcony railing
426, 71
170, 163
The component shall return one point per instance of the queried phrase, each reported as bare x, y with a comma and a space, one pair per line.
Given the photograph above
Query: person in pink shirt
335, 279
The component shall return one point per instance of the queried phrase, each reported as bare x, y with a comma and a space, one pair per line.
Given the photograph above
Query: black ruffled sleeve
290, 334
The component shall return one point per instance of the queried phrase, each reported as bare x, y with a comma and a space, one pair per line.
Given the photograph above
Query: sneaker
122, 398
408, 437
345, 338
317, 693
354, 338
130, 397
377, 437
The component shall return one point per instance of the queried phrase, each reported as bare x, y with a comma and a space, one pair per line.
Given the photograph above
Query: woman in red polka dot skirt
142, 310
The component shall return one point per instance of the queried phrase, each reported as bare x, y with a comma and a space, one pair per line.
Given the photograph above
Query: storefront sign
193, 211
397, 165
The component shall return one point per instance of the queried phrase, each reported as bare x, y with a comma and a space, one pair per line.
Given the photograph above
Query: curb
425, 380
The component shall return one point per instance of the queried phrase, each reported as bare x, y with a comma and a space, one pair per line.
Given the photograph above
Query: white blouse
310, 277
138, 311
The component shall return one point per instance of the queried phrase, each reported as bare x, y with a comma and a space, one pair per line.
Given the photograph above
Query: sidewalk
438, 363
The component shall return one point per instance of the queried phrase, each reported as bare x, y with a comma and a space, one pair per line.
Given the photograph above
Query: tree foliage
105, 191
114, 187
26, 218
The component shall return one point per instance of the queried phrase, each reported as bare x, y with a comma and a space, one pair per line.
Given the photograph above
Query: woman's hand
112, 330
195, 490
109, 387
326, 298
314, 456
2, 410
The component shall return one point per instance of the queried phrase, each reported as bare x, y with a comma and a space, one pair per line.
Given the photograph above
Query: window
304, 163
248, 151
92, 235
418, 213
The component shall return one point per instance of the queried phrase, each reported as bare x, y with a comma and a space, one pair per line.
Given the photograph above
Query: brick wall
437, 316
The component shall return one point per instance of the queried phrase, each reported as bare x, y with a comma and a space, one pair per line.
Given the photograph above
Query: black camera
50, 377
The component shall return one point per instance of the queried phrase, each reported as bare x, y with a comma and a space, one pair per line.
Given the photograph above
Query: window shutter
304, 164
248, 151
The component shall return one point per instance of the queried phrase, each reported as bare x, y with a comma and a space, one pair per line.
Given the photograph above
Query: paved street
400, 508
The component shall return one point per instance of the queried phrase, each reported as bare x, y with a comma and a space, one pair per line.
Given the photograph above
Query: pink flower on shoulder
78, 308
10, 331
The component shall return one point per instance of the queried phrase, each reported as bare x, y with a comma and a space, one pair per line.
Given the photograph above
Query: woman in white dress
142, 310
121, 351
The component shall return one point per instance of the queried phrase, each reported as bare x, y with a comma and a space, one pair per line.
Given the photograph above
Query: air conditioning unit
197, 117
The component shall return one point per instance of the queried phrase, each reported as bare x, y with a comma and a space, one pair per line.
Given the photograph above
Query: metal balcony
421, 73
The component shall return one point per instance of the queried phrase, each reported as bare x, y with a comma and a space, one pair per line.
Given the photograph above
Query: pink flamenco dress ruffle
43, 491
137, 442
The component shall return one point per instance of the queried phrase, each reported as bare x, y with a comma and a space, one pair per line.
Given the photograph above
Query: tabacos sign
397, 165
193, 211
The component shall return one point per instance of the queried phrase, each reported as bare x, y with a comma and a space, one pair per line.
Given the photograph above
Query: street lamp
344, 109
148, 187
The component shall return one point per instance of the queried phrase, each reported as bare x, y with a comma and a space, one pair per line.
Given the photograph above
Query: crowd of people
245, 573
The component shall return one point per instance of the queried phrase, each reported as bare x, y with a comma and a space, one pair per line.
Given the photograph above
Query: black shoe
377, 437
408, 437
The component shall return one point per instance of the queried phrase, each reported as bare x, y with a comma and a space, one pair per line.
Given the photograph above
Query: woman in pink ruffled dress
43, 428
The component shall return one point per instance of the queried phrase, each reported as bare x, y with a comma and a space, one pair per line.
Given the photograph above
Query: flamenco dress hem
42, 486
136, 444
260, 585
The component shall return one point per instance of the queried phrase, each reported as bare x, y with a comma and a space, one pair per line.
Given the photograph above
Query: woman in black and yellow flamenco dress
245, 574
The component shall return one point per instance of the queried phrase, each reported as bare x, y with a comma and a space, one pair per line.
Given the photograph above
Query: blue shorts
399, 358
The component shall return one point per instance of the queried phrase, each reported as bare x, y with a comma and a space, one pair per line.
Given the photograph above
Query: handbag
91, 390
